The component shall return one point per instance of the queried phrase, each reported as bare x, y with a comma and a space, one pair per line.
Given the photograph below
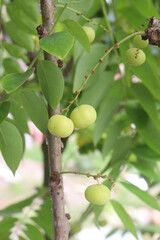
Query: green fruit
139, 43
97, 194
102, 223
135, 57
83, 116
90, 33
60, 126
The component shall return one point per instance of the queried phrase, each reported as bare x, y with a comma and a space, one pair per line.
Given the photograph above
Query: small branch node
68, 216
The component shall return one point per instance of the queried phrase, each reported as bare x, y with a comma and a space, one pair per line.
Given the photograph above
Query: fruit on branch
135, 57
97, 194
60, 126
139, 43
90, 33
83, 116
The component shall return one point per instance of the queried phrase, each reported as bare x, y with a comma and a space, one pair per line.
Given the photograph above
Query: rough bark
61, 226
45, 163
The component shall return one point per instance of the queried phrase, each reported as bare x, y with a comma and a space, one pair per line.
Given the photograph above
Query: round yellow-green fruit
60, 126
135, 57
102, 223
97, 194
83, 116
90, 33
139, 42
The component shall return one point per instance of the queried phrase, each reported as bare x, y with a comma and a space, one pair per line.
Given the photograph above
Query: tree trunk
61, 226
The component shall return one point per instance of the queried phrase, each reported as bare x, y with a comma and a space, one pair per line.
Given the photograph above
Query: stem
113, 42
61, 226
35, 58
84, 17
109, 26
95, 176
3, 96
57, 20
45, 163
98, 63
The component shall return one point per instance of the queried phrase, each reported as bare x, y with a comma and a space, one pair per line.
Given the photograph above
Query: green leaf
94, 94
114, 173
145, 72
44, 218
80, 6
30, 8
58, 44
11, 66
145, 127
97, 212
113, 231
150, 58
51, 81
16, 207
14, 51
36, 109
76, 30
4, 110
19, 37
146, 170
12, 81
11, 145
151, 135
137, 114
33, 232
107, 110
125, 218
129, 13
21, 18
146, 153
112, 135
19, 128
146, 101
121, 150
20, 117
144, 196
67, 1
86, 63
5, 226
21, 238
147, 6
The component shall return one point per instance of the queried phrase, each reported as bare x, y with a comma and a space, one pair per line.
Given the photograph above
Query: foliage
127, 129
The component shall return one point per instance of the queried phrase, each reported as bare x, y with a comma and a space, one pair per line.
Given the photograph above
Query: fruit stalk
61, 226
95, 176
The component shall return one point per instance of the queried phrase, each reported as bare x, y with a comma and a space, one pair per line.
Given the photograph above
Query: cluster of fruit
135, 56
81, 117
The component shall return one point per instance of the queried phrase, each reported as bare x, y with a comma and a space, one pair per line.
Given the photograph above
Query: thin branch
57, 20
95, 176
86, 78
84, 17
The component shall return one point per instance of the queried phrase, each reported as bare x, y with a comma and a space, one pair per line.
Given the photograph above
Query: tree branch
61, 225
